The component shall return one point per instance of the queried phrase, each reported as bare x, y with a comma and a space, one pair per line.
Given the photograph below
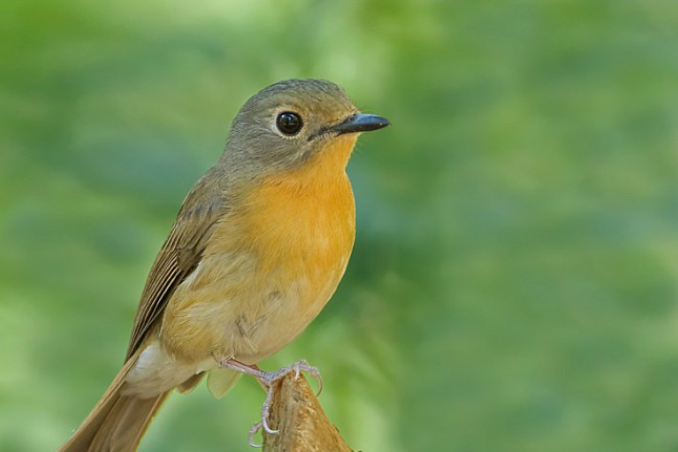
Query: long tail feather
117, 422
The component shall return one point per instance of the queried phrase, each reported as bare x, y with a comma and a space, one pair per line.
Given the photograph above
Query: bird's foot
271, 382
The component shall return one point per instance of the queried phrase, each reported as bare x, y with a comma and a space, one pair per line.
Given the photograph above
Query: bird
256, 251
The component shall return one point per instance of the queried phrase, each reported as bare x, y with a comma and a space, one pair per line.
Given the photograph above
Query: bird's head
293, 124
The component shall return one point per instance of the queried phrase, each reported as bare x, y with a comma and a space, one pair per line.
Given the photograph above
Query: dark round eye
289, 123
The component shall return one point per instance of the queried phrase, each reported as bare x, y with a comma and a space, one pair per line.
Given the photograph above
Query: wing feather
179, 255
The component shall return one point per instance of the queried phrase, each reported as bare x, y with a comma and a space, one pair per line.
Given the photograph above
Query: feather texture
117, 422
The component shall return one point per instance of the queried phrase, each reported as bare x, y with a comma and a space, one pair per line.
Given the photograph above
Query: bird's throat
308, 213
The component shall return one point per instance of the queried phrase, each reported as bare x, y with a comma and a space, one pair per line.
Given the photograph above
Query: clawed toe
302, 365
253, 431
264, 424
271, 380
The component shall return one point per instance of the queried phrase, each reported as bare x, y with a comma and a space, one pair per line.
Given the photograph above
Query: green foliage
513, 285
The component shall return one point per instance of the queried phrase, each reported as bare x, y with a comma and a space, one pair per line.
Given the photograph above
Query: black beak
361, 123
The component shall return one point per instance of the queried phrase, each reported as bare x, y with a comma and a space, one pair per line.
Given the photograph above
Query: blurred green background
513, 285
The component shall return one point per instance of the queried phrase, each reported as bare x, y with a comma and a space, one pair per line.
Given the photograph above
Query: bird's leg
270, 380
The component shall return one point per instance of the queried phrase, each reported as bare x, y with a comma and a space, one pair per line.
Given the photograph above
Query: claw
265, 411
253, 431
270, 380
268, 429
303, 365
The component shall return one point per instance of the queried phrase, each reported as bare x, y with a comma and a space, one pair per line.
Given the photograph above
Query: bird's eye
289, 123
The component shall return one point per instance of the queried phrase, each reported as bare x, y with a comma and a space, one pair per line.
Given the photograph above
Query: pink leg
269, 381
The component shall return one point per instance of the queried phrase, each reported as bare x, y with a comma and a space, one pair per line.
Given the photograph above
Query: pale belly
256, 318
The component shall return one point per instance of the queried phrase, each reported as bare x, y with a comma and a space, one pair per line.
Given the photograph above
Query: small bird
256, 251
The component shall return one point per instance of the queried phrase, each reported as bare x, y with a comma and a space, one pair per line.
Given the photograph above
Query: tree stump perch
301, 421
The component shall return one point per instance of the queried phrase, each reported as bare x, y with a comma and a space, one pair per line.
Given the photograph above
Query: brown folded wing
179, 256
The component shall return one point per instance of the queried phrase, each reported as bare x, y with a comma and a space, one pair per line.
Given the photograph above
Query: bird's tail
117, 422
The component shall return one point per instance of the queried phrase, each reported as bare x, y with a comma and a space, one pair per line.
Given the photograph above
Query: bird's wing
180, 255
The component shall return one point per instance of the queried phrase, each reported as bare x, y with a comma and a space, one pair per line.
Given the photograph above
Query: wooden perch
302, 424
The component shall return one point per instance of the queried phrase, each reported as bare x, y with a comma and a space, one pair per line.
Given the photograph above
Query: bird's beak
360, 123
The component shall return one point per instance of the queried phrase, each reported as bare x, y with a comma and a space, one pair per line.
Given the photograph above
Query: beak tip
362, 123
374, 122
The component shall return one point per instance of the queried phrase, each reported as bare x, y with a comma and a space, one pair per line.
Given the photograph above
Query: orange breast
270, 266
303, 222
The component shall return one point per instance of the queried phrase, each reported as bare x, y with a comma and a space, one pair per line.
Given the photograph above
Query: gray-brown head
290, 124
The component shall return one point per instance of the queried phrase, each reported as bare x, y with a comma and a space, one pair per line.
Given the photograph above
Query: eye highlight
289, 123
